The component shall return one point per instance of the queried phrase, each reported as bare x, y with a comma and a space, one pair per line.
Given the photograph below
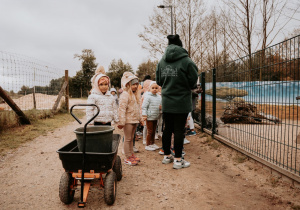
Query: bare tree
241, 25
188, 23
275, 18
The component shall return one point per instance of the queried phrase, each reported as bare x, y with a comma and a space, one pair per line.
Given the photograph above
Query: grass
41, 123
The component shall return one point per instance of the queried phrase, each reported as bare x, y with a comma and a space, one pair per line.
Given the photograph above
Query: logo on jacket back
168, 71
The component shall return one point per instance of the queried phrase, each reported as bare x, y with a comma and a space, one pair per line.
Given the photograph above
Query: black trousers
174, 123
99, 123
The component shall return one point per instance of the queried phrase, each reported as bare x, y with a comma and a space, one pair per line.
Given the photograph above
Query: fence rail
252, 105
32, 84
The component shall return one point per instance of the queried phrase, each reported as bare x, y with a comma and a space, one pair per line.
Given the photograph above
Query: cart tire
66, 194
110, 188
118, 168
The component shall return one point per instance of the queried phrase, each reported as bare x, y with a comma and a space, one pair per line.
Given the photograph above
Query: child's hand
144, 118
159, 107
120, 126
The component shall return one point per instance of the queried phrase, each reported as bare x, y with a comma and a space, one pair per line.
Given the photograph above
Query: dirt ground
215, 180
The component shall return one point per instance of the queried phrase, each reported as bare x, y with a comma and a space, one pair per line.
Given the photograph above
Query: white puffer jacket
106, 103
150, 107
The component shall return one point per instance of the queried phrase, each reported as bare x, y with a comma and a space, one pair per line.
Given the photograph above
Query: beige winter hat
127, 77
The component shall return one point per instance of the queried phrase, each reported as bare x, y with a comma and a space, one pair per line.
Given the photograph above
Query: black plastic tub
71, 158
98, 138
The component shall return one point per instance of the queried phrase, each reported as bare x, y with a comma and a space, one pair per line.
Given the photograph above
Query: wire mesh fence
32, 84
253, 103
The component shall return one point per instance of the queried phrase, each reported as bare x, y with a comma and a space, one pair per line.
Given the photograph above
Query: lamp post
171, 7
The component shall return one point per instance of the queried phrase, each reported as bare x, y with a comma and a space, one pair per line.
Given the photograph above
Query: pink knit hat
98, 78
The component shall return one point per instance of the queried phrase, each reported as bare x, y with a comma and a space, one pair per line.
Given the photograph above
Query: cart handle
83, 149
98, 110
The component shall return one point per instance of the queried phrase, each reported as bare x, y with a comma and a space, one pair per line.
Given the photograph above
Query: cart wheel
66, 194
118, 168
110, 188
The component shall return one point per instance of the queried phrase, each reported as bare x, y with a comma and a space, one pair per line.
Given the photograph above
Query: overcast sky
54, 30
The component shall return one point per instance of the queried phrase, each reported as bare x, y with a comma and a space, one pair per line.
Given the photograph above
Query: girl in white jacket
151, 112
104, 100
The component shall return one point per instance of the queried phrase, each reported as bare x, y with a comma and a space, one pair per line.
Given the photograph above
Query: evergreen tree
116, 70
147, 68
88, 67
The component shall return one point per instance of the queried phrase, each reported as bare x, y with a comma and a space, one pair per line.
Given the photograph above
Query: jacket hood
147, 85
127, 77
95, 82
174, 53
113, 89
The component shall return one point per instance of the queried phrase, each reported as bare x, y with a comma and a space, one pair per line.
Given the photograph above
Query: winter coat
129, 107
129, 111
150, 107
177, 75
106, 103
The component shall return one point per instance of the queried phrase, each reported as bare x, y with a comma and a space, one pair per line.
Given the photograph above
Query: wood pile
245, 113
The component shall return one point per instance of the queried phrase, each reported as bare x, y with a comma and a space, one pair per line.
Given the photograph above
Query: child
113, 91
150, 113
146, 92
129, 114
104, 100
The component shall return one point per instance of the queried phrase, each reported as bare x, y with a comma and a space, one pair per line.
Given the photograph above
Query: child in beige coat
129, 114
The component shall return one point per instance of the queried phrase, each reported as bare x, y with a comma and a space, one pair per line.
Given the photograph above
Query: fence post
67, 89
33, 95
22, 117
214, 102
203, 121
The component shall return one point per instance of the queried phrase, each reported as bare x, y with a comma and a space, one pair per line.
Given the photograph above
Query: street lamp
170, 6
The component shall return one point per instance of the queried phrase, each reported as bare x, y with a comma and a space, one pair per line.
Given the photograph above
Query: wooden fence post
61, 92
22, 117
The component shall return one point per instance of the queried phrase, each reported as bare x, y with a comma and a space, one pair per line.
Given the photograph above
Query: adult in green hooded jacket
177, 74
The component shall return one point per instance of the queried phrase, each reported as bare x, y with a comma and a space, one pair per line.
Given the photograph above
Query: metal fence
252, 104
29, 82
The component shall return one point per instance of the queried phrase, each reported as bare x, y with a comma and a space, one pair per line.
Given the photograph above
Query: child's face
103, 87
113, 93
154, 89
134, 87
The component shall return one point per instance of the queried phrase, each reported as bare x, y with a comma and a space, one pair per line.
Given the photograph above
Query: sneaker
149, 148
181, 164
161, 152
185, 141
135, 149
154, 146
130, 162
144, 141
135, 158
139, 133
191, 133
167, 159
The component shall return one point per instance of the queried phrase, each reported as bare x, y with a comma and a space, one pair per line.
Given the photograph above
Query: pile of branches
245, 113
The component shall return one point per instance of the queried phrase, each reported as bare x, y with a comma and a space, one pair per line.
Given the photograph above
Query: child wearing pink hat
104, 100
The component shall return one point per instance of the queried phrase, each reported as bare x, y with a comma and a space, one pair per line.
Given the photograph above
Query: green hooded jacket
177, 74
